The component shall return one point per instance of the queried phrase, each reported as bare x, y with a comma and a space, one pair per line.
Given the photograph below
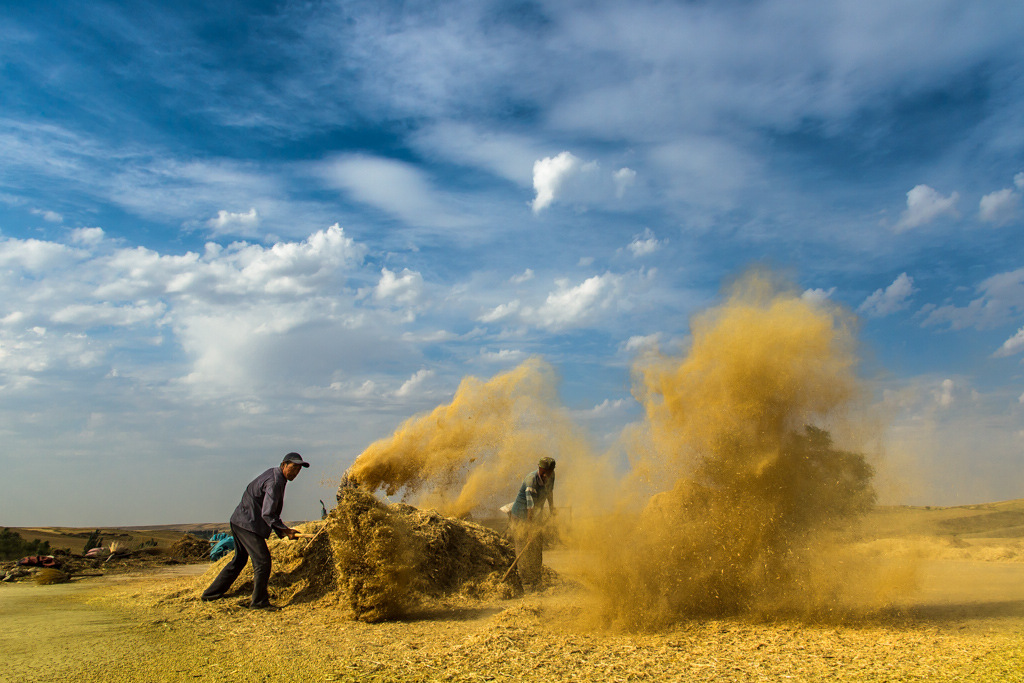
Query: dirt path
965, 623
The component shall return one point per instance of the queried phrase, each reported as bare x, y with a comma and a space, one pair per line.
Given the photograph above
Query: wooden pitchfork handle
312, 536
521, 553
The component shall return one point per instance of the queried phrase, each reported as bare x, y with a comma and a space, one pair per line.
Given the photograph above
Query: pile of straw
382, 561
390, 557
190, 547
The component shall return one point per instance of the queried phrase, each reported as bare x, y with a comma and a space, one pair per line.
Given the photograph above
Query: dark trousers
247, 544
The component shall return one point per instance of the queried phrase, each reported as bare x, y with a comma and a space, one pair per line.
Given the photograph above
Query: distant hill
987, 520
74, 538
1002, 520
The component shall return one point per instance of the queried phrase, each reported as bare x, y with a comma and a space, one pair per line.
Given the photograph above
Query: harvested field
964, 623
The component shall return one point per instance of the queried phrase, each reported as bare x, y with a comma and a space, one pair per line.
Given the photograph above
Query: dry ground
963, 622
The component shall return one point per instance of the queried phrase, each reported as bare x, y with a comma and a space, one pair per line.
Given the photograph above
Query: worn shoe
210, 598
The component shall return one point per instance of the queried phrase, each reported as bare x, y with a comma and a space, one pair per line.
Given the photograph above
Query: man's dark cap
296, 459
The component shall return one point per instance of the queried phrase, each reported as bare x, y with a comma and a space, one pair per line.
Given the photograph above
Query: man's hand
292, 533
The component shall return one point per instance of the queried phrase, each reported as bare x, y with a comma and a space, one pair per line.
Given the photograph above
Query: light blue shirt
533, 493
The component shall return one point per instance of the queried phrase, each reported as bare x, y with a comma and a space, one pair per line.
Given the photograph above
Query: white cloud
507, 155
1001, 301
624, 178
924, 205
566, 178
645, 244
525, 276
88, 237
1014, 344
500, 312
573, 306
502, 355
107, 314
1018, 181
818, 295
36, 256
414, 382
944, 396
642, 342
232, 311
395, 187
551, 174
49, 216
893, 298
999, 207
227, 222
404, 289
607, 408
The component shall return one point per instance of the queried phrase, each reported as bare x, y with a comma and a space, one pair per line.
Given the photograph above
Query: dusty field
965, 622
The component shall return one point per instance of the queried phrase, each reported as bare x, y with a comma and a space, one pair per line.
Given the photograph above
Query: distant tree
94, 541
13, 546
10, 544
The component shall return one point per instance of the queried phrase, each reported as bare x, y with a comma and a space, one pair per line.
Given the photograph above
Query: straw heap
384, 560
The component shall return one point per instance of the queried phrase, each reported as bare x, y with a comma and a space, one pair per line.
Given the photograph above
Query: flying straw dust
731, 496
467, 454
740, 428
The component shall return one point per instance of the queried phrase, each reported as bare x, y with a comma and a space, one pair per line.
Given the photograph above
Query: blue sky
229, 231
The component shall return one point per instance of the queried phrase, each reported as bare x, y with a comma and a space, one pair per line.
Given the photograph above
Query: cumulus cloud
552, 174
229, 309
1014, 344
644, 244
525, 276
404, 288
571, 306
48, 216
642, 342
924, 205
893, 298
36, 256
231, 223
500, 312
88, 237
608, 407
818, 295
414, 382
999, 207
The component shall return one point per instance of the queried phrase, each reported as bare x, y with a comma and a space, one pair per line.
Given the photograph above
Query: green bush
94, 541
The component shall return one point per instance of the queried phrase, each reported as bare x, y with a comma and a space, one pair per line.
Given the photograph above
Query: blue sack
222, 544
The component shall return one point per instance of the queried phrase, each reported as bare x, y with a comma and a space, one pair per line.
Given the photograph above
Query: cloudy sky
231, 230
